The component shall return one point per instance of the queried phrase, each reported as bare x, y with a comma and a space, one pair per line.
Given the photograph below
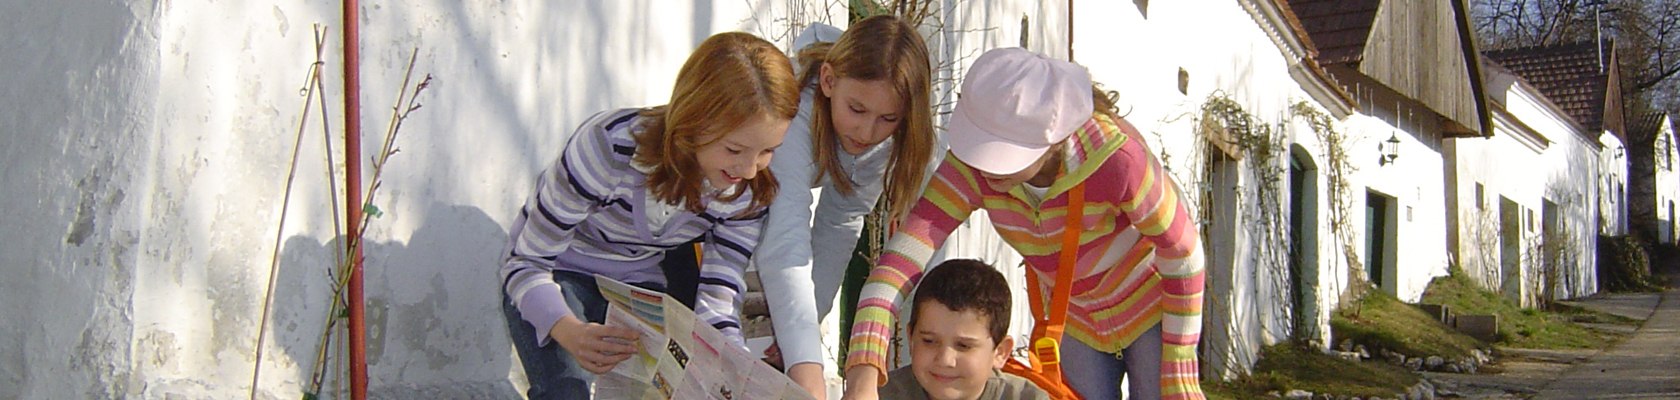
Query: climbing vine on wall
1263, 211
1338, 167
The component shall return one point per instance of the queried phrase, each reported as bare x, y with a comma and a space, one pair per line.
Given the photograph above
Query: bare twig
319, 371
285, 203
406, 103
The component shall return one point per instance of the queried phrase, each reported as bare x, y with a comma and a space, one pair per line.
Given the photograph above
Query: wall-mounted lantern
1388, 150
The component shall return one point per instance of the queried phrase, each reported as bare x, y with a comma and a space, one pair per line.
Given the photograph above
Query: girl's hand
810, 377
598, 348
863, 382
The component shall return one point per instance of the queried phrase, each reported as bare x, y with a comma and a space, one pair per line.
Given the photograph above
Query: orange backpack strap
1050, 321
1057, 389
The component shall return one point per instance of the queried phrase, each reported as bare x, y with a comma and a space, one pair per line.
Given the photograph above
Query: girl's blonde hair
728, 81
886, 48
1105, 101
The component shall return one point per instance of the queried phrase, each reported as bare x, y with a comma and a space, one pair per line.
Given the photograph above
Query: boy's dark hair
967, 285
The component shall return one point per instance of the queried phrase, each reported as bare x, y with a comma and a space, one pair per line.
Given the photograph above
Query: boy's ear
1004, 347
825, 79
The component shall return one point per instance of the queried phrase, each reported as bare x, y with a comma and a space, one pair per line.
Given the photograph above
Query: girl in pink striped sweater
1026, 130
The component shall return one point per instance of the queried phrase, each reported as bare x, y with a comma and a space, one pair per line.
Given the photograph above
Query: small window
1183, 81
1668, 154
1024, 29
1481, 196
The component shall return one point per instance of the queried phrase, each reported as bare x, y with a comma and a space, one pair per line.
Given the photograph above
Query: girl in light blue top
864, 127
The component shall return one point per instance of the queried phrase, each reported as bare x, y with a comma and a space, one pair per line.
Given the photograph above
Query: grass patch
1518, 327
1380, 321
1285, 367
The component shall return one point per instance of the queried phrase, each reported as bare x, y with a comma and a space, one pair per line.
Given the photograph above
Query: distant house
1514, 228
1581, 81
1653, 181
1413, 68
1580, 78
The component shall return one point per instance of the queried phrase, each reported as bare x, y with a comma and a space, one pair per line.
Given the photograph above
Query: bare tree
1646, 34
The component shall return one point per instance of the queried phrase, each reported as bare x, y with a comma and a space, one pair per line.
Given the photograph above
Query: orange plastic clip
1049, 351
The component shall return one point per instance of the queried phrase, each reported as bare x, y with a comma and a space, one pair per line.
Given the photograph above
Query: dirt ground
1531, 373
1516, 374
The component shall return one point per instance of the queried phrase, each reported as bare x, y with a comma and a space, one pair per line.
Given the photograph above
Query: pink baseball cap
1014, 105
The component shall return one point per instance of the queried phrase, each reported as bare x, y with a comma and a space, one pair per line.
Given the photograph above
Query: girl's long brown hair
730, 80
886, 48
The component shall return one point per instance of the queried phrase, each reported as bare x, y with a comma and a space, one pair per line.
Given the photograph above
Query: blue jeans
1096, 375
551, 370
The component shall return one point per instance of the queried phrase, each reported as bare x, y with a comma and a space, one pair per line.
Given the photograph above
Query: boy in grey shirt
958, 339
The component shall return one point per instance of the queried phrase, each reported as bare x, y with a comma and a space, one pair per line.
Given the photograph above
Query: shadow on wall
434, 329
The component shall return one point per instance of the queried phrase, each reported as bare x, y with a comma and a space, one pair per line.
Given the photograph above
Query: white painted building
1667, 182
1517, 228
1613, 186
1652, 179
149, 145
1568, 242
1412, 67
1580, 79
1585, 191
1250, 54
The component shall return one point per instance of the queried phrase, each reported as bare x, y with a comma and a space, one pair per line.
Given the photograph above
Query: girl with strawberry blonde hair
631, 184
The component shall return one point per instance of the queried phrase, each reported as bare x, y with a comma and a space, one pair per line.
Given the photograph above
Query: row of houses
1333, 144
1328, 145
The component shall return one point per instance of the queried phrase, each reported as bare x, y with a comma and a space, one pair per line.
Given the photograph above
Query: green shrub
1624, 265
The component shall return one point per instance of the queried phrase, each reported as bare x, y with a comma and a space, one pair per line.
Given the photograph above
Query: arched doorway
1303, 243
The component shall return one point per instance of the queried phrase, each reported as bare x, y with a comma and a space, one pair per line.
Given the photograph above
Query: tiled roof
1340, 28
1570, 75
1645, 126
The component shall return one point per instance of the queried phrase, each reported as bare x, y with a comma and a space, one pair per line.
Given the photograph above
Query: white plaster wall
75, 117
1480, 160
1138, 53
1562, 174
1575, 164
1489, 161
1575, 167
1416, 181
152, 140
1612, 185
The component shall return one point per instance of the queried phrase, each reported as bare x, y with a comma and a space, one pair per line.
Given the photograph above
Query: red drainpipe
352, 196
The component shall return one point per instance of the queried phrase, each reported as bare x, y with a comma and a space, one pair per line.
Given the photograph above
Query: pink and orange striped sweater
1140, 257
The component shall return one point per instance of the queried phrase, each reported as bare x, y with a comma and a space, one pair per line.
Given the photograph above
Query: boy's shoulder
1012, 387
901, 384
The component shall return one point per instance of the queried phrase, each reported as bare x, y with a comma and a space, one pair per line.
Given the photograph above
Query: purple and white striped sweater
589, 214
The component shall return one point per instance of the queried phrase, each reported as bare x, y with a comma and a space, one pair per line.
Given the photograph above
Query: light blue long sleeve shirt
803, 252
